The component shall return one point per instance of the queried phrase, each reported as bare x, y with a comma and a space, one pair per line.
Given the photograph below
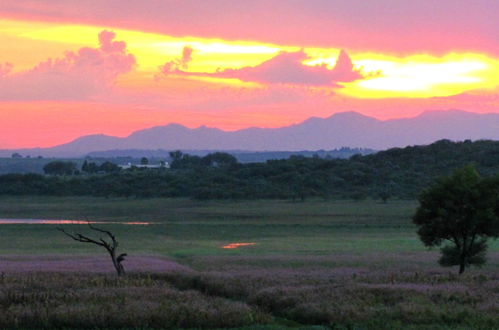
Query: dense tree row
395, 173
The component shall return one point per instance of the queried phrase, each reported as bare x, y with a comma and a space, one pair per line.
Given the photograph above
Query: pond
67, 222
237, 245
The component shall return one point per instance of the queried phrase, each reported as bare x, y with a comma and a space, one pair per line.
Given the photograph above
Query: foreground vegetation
342, 264
249, 291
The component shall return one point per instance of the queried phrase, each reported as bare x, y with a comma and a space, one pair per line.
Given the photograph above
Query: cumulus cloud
344, 71
285, 68
186, 55
288, 68
5, 68
76, 75
108, 45
177, 65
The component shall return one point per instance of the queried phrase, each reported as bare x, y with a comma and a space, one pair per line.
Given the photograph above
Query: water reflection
67, 222
236, 245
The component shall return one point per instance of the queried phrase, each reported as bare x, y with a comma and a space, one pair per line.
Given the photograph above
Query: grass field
187, 228
338, 264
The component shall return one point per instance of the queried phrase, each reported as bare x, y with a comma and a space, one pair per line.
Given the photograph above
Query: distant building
155, 166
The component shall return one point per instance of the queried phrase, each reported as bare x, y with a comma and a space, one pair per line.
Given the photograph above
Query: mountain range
345, 129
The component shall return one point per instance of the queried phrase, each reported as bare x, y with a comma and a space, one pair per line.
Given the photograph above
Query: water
67, 222
236, 245
84, 222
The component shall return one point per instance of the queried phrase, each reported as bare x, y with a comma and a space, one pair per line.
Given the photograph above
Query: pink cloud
76, 75
343, 71
382, 25
108, 45
186, 56
5, 68
285, 68
177, 65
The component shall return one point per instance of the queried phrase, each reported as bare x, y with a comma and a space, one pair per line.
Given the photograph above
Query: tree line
394, 173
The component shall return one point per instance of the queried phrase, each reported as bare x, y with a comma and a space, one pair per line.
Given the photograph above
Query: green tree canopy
60, 167
109, 167
219, 159
461, 209
89, 167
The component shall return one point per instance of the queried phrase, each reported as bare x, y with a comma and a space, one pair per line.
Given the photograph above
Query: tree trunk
461, 267
117, 264
462, 259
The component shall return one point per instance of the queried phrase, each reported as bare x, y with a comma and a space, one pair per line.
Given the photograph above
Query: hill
347, 129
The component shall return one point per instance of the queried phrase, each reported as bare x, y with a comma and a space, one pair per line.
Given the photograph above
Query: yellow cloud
417, 76
150, 49
422, 75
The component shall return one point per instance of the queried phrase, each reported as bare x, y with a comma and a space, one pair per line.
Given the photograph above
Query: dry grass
231, 291
86, 264
91, 301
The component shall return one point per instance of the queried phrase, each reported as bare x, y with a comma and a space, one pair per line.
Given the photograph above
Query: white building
156, 166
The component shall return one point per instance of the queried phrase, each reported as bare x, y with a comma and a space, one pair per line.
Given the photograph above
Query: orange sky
71, 68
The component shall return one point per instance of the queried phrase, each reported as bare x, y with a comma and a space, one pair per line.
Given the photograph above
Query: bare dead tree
110, 246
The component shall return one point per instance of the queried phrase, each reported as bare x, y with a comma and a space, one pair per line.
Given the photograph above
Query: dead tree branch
111, 245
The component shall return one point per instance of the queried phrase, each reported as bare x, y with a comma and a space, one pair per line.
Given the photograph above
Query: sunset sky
71, 67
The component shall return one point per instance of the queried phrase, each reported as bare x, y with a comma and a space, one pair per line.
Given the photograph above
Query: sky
70, 68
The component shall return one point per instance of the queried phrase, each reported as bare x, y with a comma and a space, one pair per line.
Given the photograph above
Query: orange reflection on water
136, 223
68, 222
236, 245
61, 222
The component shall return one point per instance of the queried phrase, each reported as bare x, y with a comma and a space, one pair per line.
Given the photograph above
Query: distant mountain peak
443, 113
351, 117
349, 114
92, 138
349, 129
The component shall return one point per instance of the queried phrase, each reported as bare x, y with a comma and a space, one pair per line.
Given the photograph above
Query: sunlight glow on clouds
150, 49
76, 75
284, 68
382, 75
232, 64
288, 68
425, 76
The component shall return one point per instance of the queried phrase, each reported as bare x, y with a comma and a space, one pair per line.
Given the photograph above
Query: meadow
314, 264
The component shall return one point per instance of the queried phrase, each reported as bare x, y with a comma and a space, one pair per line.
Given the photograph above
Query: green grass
157, 209
342, 264
184, 227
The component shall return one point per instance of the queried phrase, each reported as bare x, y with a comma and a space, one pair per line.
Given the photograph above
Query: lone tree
462, 209
110, 246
